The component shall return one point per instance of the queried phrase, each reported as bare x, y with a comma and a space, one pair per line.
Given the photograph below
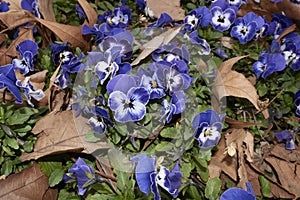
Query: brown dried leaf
227, 42
280, 152
239, 124
38, 79
46, 9
290, 9
68, 33
90, 12
153, 44
30, 184
171, 7
288, 174
57, 133
232, 83
6, 54
13, 19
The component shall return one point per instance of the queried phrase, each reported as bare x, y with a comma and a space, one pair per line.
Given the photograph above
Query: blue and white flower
239, 193
208, 126
223, 15
147, 176
29, 91
297, 102
128, 102
27, 49
286, 136
246, 27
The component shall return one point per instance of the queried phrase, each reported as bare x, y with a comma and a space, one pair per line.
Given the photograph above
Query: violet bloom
27, 49
246, 27
148, 178
295, 1
198, 17
238, 193
32, 6
176, 106
268, 64
121, 18
8, 80
292, 56
95, 30
29, 91
297, 102
4, 6
127, 99
82, 173
208, 126
219, 51
163, 19
100, 120
223, 15
286, 136
237, 3
282, 22
204, 46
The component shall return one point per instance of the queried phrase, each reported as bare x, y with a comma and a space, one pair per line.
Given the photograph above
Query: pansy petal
139, 94
116, 100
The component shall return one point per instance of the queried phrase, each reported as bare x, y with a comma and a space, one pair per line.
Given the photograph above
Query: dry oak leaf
232, 83
15, 18
56, 134
30, 184
172, 7
46, 9
90, 12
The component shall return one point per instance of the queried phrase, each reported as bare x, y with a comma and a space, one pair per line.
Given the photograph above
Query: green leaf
91, 137
164, 146
265, 186
172, 133
213, 188
12, 142
24, 129
64, 194
8, 151
7, 167
201, 166
49, 167
123, 178
28, 146
186, 169
56, 177
21, 115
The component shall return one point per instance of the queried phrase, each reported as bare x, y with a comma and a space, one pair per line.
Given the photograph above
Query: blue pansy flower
295, 1
70, 66
32, 6
80, 12
100, 120
152, 83
82, 173
121, 18
147, 177
202, 43
198, 17
8, 80
171, 53
268, 64
282, 22
297, 102
291, 38
27, 49
208, 126
128, 101
286, 136
94, 30
219, 51
246, 27
123, 40
176, 106
223, 15
163, 19
60, 53
29, 91
4, 6
238, 193
237, 3
292, 56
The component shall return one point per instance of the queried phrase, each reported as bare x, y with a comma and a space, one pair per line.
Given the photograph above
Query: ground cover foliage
149, 99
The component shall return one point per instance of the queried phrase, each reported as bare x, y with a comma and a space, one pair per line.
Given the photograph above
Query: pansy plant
208, 126
148, 178
297, 102
27, 49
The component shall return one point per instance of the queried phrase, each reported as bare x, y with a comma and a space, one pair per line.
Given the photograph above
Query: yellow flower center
154, 84
207, 132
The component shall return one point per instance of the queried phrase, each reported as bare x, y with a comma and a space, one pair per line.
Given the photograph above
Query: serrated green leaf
265, 186
164, 146
213, 188
49, 167
21, 115
56, 177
